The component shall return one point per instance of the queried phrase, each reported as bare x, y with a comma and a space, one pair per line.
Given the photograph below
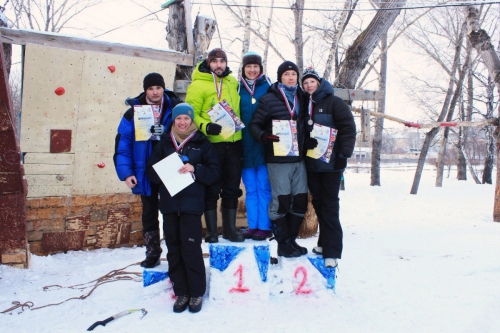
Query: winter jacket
202, 96
272, 106
253, 150
207, 171
131, 156
330, 110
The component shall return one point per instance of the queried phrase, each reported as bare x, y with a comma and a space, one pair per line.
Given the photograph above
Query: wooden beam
189, 27
359, 95
23, 37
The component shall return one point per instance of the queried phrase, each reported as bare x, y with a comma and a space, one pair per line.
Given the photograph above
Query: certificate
168, 171
144, 118
326, 137
287, 132
223, 115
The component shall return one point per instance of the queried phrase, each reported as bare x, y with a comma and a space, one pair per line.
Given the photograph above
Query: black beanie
153, 79
286, 66
251, 58
310, 72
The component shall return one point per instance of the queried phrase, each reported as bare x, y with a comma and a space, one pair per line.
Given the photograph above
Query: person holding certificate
139, 131
182, 212
214, 90
253, 85
279, 123
327, 113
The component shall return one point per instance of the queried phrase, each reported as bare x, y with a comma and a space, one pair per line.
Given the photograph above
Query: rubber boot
229, 226
211, 223
153, 249
294, 223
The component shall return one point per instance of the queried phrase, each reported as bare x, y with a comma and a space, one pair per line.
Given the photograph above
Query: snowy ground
411, 263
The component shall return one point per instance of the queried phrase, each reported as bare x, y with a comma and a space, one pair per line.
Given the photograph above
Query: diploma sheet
168, 171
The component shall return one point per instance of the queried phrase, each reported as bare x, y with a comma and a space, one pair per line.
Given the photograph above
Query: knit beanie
310, 72
251, 58
183, 108
216, 53
286, 66
153, 79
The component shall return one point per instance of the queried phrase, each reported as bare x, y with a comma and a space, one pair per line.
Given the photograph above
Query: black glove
311, 143
340, 163
213, 129
157, 129
268, 137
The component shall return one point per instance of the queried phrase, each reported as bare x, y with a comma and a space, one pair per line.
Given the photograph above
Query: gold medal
253, 100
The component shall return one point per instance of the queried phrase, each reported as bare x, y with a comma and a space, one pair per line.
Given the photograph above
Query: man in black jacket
287, 172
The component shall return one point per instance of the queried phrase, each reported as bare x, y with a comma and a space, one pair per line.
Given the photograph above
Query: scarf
181, 136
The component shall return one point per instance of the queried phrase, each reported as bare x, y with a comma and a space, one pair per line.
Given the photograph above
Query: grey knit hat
310, 72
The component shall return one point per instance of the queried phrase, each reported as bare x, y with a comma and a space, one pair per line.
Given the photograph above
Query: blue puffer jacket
253, 151
131, 156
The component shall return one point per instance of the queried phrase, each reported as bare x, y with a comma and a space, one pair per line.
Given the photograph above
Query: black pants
230, 156
324, 188
150, 210
186, 268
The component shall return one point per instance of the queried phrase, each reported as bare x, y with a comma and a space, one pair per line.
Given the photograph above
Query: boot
153, 249
286, 249
211, 223
229, 226
294, 223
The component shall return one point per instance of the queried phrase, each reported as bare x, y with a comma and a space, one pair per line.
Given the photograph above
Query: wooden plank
24, 37
38, 191
359, 95
48, 169
47, 158
49, 180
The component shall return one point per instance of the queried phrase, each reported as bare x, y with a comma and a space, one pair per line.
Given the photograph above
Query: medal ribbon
250, 91
177, 146
218, 88
157, 120
290, 111
310, 107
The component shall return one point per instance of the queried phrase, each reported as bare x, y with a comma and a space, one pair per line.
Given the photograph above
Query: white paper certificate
144, 118
288, 144
223, 115
168, 171
326, 137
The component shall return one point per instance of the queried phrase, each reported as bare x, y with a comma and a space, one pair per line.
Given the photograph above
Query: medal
310, 122
251, 91
253, 100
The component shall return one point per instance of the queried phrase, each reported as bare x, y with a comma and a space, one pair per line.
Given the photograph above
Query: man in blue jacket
131, 157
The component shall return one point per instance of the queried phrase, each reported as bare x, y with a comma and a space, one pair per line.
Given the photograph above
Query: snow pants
258, 197
186, 268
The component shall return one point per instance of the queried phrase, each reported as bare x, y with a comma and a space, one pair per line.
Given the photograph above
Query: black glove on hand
213, 129
340, 163
311, 143
157, 129
268, 137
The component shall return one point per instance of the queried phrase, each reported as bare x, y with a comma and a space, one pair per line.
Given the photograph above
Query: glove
268, 137
311, 143
157, 129
213, 129
340, 163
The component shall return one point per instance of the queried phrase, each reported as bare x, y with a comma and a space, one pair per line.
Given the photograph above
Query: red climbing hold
60, 91
101, 165
112, 68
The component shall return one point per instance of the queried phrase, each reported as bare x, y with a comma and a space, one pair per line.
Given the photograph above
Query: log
309, 226
204, 29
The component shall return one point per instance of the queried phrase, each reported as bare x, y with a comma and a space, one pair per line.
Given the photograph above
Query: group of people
276, 186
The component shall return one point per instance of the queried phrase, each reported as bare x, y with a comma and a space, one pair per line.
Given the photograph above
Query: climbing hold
60, 91
101, 165
112, 68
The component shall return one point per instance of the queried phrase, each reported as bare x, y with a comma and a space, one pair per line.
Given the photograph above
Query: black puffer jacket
272, 106
203, 157
331, 111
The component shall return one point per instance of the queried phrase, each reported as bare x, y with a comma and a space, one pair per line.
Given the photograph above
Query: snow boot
287, 250
294, 223
248, 234
261, 235
211, 223
229, 230
195, 304
331, 262
181, 304
318, 250
153, 249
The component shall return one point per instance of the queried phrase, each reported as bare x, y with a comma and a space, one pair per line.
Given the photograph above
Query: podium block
239, 272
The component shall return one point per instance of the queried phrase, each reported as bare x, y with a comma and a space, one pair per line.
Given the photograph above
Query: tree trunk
358, 53
298, 42
379, 123
268, 33
246, 31
204, 29
490, 142
441, 158
176, 28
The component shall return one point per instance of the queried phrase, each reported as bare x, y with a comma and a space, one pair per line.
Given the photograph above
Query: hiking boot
181, 303
261, 235
303, 250
150, 262
287, 250
331, 262
195, 304
249, 233
318, 250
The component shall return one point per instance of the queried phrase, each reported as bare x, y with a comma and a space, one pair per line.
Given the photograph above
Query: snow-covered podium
243, 272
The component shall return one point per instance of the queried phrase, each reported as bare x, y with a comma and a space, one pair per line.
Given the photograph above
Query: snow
411, 263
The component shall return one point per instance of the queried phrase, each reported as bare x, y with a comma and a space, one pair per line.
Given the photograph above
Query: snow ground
411, 263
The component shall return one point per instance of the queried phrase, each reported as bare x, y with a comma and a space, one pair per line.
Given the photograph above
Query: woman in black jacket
323, 178
182, 212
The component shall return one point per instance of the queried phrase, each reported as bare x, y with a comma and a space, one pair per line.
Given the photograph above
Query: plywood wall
91, 107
